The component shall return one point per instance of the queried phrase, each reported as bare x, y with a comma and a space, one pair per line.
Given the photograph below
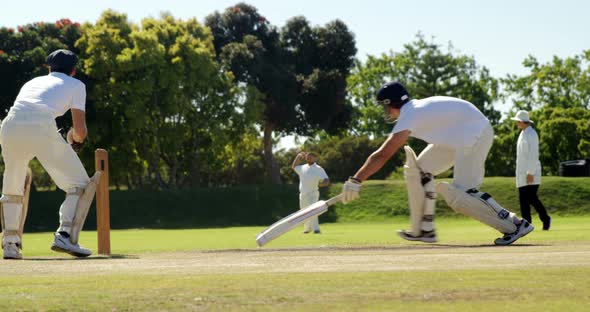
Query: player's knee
411, 165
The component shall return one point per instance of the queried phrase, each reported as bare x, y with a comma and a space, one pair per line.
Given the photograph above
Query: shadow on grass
370, 248
98, 257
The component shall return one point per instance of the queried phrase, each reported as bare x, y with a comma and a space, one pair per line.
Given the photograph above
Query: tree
557, 95
341, 156
321, 59
501, 159
159, 96
23, 52
559, 83
291, 70
426, 71
563, 135
249, 46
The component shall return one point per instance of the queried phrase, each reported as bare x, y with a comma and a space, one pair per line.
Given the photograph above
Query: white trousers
305, 200
468, 162
25, 135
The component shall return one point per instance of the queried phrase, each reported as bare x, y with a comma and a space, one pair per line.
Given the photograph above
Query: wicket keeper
459, 136
29, 130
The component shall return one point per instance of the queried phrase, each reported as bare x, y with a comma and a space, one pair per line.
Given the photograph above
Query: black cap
393, 94
62, 61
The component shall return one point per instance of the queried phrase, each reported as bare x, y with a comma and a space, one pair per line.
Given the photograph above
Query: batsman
458, 136
29, 130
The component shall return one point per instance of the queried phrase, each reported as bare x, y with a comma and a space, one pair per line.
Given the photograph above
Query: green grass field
349, 267
451, 230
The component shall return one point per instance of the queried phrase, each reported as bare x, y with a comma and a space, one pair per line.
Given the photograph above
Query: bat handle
334, 200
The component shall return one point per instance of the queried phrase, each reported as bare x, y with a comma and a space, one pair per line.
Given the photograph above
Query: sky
499, 34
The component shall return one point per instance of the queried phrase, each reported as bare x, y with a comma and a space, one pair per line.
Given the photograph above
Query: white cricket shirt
310, 177
527, 157
55, 93
442, 120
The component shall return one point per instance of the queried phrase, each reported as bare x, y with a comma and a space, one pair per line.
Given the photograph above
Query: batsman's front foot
425, 236
11, 251
63, 244
522, 230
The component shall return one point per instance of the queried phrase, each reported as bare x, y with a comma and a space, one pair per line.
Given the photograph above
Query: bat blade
289, 222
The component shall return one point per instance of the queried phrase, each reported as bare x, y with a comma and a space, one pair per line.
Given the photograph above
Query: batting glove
351, 190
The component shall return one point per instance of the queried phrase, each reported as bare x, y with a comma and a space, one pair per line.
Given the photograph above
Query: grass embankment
382, 199
264, 204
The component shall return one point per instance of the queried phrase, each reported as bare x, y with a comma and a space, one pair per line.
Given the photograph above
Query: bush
341, 157
265, 204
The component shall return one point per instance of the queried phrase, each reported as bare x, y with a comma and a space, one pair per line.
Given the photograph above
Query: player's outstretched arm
351, 188
378, 159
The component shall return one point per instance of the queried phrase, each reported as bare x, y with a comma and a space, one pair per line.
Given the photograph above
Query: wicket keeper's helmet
393, 94
62, 60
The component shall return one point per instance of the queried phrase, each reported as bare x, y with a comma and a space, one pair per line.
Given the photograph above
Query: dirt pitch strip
437, 257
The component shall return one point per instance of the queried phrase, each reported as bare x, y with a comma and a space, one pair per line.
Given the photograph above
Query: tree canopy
182, 104
299, 71
159, 95
558, 83
426, 70
23, 52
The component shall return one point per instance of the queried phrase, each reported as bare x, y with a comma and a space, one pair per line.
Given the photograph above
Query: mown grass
450, 230
536, 289
551, 288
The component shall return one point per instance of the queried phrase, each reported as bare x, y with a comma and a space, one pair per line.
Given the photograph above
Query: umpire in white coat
311, 176
528, 170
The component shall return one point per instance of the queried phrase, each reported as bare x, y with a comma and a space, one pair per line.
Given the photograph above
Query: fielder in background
459, 136
29, 130
311, 176
528, 170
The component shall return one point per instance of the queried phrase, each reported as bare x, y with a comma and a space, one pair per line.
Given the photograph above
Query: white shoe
63, 244
11, 251
522, 229
426, 237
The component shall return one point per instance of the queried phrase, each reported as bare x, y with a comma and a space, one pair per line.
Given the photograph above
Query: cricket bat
289, 222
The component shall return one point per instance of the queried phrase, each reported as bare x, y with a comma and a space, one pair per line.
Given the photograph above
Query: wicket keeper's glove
351, 190
76, 146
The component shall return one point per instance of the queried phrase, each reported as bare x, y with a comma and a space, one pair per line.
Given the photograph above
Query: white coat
527, 157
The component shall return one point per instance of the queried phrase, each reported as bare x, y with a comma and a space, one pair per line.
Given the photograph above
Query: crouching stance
459, 136
29, 131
